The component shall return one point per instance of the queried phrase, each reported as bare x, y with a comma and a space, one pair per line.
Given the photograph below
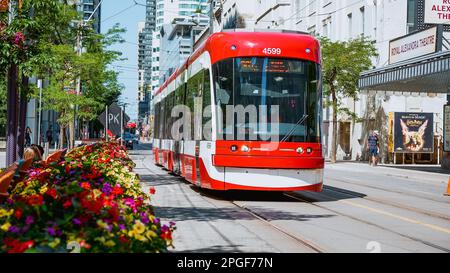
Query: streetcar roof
224, 45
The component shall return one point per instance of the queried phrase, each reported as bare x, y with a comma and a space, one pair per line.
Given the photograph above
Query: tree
41, 41
343, 62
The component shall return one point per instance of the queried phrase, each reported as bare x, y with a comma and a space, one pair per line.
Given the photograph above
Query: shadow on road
214, 249
421, 168
207, 214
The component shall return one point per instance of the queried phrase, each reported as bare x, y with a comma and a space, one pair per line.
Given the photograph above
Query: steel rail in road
385, 201
312, 202
302, 241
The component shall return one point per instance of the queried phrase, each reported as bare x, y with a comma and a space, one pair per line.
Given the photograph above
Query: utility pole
39, 83
12, 119
211, 17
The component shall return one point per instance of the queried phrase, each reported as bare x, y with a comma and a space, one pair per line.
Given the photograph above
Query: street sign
114, 118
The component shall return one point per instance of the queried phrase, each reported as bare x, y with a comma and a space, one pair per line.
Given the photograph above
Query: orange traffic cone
448, 188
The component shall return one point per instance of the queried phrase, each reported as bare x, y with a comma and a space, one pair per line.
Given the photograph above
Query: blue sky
127, 15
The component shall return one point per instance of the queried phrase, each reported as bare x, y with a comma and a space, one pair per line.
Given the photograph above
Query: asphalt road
362, 209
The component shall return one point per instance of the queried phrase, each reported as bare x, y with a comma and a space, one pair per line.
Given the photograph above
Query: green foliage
41, 40
342, 64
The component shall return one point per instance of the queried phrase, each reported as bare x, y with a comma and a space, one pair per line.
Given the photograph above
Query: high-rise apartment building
87, 7
174, 17
145, 60
141, 59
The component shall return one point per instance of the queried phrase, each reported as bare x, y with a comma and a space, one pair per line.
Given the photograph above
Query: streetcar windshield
292, 86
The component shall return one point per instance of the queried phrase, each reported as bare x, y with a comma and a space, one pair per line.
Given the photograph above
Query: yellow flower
154, 227
55, 243
140, 238
150, 234
101, 239
102, 224
6, 213
5, 226
110, 243
131, 233
44, 189
139, 227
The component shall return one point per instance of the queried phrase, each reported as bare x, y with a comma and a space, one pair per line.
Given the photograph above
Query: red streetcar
262, 70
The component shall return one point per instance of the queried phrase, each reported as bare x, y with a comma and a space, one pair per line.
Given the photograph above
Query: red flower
152, 190
67, 204
18, 213
166, 236
19, 247
123, 239
86, 185
52, 192
35, 199
117, 190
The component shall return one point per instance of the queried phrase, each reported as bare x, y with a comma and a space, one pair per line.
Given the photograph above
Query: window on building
312, 30
412, 15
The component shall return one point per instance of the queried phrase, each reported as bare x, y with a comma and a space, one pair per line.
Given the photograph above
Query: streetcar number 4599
272, 51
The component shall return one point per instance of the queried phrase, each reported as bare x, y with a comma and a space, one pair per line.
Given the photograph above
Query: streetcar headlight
245, 148
308, 50
234, 148
299, 150
309, 150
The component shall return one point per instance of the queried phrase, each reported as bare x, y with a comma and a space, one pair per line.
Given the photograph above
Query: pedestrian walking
27, 137
49, 135
373, 147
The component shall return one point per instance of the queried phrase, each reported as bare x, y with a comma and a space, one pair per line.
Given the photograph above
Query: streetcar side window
194, 102
206, 104
156, 125
223, 84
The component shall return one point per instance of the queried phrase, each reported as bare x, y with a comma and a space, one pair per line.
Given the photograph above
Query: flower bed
90, 199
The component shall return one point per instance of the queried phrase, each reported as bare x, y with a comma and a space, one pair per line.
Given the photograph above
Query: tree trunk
61, 137
335, 127
71, 135
11, 120
23, 103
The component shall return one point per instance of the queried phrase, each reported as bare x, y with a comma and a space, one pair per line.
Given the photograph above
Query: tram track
312, 202
385, 201
300, 240
384, 189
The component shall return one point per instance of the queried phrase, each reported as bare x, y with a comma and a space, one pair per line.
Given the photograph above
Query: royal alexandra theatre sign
413, 45
437, 12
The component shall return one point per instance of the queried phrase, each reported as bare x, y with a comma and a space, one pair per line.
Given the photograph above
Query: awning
427, 74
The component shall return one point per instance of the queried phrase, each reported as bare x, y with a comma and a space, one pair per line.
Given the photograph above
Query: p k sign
437, 12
